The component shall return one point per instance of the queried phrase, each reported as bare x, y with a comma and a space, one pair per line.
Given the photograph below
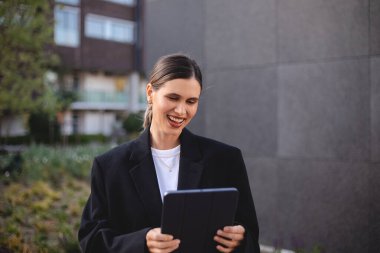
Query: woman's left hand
229, 238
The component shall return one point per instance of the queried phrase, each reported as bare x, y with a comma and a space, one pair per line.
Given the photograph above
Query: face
173, 105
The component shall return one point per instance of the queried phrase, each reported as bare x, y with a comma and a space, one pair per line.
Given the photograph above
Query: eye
192, 101
173, 98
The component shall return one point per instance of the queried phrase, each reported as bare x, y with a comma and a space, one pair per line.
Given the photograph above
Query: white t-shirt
166, 163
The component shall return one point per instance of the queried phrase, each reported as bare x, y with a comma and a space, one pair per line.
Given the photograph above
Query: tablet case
194, 216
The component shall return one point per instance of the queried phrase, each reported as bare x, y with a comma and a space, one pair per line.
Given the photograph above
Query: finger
155, 234
162, 244
231, 236
223, 249
167, 250
226, 242
173, 248
158, 251
234, 229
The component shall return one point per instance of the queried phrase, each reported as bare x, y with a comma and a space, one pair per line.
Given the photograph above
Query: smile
176, 120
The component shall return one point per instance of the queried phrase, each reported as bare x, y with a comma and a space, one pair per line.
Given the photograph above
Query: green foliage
43, 128
15, 140
76, 139
133, 123
26, 32
40, 209
87, 138
50, 164
66, 97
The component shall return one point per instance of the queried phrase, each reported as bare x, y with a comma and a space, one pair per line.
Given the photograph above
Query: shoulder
212, 146
116, 156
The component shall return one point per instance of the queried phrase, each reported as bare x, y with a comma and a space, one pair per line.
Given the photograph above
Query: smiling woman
175, 104
123, 213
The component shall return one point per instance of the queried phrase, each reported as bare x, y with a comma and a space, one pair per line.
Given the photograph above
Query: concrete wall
296, 85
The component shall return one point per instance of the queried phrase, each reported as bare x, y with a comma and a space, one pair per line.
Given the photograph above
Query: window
101, 27
73, 2
123, 2
66, 30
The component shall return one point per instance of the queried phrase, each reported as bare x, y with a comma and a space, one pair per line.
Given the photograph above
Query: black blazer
125, 201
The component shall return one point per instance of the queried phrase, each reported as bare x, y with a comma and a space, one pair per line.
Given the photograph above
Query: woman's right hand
160, 243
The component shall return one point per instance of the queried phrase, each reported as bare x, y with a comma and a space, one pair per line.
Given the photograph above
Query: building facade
295, 84
99, 44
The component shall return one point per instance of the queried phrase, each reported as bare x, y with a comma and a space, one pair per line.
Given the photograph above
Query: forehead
184, 87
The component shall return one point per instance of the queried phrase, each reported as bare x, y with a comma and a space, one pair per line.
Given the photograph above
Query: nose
180, 109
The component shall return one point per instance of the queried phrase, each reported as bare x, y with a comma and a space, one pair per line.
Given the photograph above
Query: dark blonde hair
170, 67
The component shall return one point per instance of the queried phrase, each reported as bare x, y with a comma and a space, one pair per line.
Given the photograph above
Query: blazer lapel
190, 165
144, 174
144, 177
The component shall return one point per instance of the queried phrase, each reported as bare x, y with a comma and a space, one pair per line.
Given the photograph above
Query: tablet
194, 216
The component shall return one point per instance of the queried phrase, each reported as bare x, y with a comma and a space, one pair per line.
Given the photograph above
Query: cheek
161, 107
193, 110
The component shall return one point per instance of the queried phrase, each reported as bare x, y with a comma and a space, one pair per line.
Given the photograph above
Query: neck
163, 141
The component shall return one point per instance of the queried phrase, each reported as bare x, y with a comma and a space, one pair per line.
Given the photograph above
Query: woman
123, 212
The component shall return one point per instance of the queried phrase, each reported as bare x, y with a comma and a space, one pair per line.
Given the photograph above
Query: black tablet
194, 216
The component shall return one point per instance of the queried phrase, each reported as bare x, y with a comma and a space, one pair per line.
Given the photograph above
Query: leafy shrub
33, 217
40, 209
44, 128
74, 139
87, 138
15, 140
133, 123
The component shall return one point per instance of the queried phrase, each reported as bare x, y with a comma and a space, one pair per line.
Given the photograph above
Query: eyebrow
177, 95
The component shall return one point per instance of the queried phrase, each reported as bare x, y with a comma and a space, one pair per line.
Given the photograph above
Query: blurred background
295, 84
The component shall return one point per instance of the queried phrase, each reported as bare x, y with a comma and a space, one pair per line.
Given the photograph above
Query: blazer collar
144, 174
189, 146
190, 165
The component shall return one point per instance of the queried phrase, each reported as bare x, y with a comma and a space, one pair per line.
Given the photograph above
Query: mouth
175, 121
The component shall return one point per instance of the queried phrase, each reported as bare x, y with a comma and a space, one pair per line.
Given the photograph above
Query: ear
149, 92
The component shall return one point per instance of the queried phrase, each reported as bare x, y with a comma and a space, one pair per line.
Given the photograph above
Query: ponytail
148, 116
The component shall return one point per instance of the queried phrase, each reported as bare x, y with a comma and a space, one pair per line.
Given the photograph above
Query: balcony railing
102, 97
102, 100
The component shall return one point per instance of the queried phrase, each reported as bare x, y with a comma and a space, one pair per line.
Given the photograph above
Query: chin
175, 131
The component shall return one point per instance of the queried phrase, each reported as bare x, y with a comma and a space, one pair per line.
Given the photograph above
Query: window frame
76, 34
123, 2
70, 2
108, 23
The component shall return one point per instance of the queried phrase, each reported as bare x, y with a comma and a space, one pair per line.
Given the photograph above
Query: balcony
102, 100
103, 97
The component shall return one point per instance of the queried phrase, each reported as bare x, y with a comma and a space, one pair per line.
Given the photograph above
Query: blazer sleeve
246, 213
95, 234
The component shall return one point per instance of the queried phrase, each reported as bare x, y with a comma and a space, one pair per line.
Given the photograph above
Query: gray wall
296, 85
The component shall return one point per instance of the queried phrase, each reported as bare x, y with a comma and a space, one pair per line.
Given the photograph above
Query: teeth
176, 119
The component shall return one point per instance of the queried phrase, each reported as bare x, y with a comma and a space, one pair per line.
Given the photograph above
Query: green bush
40, 209
47, 163
133, 123
87, 138
15, 140
77, 139
44, 128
